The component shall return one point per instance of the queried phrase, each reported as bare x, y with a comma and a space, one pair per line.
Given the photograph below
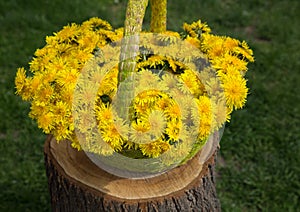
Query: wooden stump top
79, 168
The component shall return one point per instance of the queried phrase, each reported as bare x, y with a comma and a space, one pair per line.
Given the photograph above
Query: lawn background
258, 166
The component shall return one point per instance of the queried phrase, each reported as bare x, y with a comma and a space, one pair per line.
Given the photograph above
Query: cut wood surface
77, 184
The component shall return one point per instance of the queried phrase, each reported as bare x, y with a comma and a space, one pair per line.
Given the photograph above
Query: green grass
260, 146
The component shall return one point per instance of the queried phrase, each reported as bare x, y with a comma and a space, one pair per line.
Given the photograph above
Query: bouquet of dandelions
143, 102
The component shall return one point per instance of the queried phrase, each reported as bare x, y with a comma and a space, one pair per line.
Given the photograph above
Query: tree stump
77, 184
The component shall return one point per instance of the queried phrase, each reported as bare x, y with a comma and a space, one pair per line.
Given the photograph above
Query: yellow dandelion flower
51, 41
26, 92
235, 90
162, 104
153, 94
66, 95
99, 75
229, 111
202, 110
209, 41
170, 80
88, 41
58, 64
39, 53
121, 126
36, 109
245, 51
82, 56
35, 65
44, 93
95, 24
114, 36
184, 86
20, 80
61, 110
193, 41
205, 106
139, 132
185, 134
230, 43
111, 135
104, 114
101, 147
154, 61
44, 62
68, 33
49, 76
173, 130
216, 51
63, 50
190, 84
62, 131
213, 86
109, 83
84, 121
36, 82
157, 122
147, 97
196, 28
184, 103
75, 143
119, 32
131, 145
205, 127
73, 63
229, 60
173, 111
67, 77
179, 150
139, 137
175, 66
219, 109
154, 149
141, 107
146, 74
45, 121
229, 70
86, 93
168, 37
171, 34
108, 88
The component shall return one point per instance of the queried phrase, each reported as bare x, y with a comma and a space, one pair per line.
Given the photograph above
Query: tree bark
76, 184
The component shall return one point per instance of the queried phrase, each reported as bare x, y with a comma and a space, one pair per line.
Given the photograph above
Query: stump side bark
77, 184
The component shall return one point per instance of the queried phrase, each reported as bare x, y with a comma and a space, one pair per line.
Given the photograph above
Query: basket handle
133, 26
158, 16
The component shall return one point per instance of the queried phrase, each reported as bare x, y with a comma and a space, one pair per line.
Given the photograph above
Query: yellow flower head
157, 122
235, 91
20, 80
46, 121
139, 132
68, 33
96, 24
196, 28
154, 149
245, 51
111, 135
